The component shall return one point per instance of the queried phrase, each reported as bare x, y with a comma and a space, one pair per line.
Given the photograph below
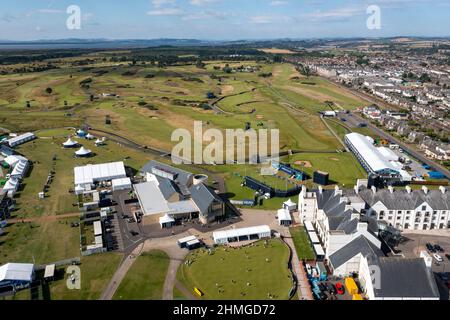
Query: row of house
348, 225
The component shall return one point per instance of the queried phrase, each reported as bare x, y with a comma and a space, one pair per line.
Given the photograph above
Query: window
424, 208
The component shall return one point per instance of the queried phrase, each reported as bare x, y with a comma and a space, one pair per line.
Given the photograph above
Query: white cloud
165, 12
277, 3
161, 3
201, 2
50, 11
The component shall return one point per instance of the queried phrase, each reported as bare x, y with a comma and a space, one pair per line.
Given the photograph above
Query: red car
339, 288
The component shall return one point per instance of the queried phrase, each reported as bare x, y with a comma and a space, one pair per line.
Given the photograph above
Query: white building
13, 142
407, 209
375, 160
86, 177
242, 234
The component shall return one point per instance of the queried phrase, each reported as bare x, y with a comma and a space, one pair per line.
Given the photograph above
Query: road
404, 146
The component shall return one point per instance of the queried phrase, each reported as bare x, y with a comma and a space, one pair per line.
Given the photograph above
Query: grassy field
145, 279
96, 272
240, 274
302, 243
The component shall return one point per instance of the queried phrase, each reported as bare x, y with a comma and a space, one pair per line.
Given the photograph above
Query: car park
438, 257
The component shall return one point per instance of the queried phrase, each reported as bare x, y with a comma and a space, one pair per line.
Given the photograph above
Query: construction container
357, 297
351, 286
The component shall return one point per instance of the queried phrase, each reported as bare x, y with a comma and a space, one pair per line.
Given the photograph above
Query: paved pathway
117, 278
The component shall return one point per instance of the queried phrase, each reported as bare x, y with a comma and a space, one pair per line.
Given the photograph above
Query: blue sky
221, 19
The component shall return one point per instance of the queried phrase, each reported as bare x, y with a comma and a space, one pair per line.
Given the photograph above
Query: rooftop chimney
425, 189
391, 189
443, 189
336, 190
374, 189
408, 189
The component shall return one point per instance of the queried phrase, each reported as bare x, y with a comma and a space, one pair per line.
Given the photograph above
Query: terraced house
409, 209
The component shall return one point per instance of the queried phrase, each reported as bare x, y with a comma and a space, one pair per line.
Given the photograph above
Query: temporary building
313, 237
90, 136
16, 274
70, 143
98, 228
20, 169
83, 152
243, 234
194, 244
14, 159
121, 184
320, 254
309, 226
13, 142
284, 217
49, 271
99, 142
290, 205
166, 221
90, 174
183, 241
11, 186
81, 133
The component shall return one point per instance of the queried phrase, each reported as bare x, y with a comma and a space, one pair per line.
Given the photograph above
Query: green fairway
302, 243
252, 272
145, 279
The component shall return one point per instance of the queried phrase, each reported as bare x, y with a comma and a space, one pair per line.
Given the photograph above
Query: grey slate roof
338, 217
402, 200
203, 197
182, 178
167, 187
181, 181
356, 246
405, 278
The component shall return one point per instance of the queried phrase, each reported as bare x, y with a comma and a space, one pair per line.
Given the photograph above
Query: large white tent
70, 143
225, 236
90, 174
372, 159
16, 272
83, 152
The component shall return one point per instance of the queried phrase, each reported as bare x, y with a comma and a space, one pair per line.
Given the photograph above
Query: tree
49, 90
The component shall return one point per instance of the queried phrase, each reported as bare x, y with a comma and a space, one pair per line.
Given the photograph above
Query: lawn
248, 273
96, 272
302, 243
145, 279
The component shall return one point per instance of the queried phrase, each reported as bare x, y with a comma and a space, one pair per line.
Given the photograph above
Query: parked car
448, 256
438, 248
322, 287
430, 248
134, 233
331, 288
340, 288
308, 269
438, 257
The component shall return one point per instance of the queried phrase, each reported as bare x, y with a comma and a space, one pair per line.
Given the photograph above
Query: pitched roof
359, 245
203, 196
405, 278
402, 200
